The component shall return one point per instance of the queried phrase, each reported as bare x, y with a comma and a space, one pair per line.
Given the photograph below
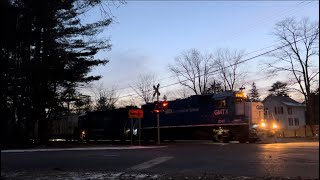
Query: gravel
58, 175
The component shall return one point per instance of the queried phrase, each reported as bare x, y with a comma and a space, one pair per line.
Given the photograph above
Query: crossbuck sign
156, 90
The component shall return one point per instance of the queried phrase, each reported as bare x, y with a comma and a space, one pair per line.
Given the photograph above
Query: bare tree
83, 103
228, 62
192, 69
215, 87
130, 101
105, 98
144, 87
302, 39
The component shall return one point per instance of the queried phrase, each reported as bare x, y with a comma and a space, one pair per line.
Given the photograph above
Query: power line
280, 13
275, 16
246, 54
219, 69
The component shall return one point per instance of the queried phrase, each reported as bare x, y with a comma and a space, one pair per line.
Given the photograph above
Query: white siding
283, 118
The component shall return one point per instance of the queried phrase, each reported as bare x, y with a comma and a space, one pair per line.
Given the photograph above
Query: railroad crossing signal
160, 106
164, 104
156, 91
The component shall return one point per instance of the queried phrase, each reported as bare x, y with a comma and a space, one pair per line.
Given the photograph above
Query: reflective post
131, 131
158, 128
139, 132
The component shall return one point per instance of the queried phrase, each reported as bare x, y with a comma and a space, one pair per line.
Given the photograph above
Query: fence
304, 131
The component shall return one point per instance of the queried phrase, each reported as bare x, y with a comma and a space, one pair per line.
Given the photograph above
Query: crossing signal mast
156, 92
159, 106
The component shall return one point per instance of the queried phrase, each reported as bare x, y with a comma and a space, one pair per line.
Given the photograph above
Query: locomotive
221, 117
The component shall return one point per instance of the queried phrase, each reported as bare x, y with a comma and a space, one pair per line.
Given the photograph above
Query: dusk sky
147, 36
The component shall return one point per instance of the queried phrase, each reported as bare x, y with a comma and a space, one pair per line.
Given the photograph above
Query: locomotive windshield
240, 96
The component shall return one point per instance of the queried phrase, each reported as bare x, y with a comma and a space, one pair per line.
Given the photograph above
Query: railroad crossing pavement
171, 161
80, 149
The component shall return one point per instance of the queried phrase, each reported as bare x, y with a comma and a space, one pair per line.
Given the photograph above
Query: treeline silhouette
46, 54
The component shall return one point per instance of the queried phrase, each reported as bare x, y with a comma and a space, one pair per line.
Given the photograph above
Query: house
289, 113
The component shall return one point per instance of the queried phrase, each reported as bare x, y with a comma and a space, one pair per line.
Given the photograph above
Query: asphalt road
299, 159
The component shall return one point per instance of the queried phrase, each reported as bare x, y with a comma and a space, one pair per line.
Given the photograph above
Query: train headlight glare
275, 126
263, 124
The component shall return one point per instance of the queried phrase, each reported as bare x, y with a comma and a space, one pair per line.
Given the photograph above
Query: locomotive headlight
275, 126
244, 95
83, 132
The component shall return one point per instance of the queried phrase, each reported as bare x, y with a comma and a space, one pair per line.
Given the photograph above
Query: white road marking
217, 143
81, 149
111, 155
151, 163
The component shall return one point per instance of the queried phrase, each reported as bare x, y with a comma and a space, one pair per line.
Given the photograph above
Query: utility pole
158, 123
156, 92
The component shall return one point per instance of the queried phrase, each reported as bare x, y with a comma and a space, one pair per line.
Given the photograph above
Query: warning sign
135, 113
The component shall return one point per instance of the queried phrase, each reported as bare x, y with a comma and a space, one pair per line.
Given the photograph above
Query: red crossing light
164, 104
157, 107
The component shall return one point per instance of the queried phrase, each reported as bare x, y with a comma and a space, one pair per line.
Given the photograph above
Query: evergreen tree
47, 52
254, 95
279, 89
83, 103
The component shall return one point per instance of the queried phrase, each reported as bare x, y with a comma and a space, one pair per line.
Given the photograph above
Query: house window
289, 110
279, 110
290, 122
296, 122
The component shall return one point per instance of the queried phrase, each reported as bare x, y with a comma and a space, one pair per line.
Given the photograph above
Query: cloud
124, 68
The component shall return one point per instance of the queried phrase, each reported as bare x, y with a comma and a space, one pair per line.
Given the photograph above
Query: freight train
105, 125
63, 127
221, 117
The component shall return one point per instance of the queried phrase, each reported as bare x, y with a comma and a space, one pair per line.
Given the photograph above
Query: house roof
284, 100
293, 104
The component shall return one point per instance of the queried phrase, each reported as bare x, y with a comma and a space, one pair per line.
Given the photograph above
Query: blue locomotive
221, 117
